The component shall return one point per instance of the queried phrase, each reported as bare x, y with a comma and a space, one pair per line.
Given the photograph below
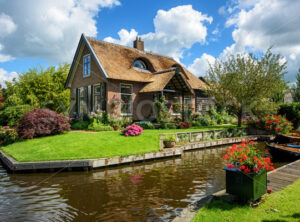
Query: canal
151, 191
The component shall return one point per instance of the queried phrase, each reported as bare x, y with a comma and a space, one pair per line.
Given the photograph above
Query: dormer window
139, 64
86, 65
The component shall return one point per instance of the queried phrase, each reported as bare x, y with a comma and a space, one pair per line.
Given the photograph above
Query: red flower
230, 166
269, 190
225, 157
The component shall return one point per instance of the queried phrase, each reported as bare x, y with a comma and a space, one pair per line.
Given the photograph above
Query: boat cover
293, 146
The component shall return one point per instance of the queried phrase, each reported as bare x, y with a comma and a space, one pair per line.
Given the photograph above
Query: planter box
246, 186
169, 144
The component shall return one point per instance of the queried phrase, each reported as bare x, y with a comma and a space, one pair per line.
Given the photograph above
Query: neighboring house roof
116, 61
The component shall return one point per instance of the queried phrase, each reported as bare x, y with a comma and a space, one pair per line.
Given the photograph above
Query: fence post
161, 144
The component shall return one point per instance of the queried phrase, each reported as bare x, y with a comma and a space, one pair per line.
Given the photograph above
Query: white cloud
175, 30
126, 38
7, 26
6, 76
47, 29
259, 24
215, 31
201, 65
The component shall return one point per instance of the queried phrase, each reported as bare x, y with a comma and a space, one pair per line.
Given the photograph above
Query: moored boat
290, 151
292, 137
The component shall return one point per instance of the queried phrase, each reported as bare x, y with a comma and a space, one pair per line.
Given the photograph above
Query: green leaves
40, 88
244, 79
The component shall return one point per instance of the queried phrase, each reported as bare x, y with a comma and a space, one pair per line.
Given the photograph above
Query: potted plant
169, 140
115, 123
246, 173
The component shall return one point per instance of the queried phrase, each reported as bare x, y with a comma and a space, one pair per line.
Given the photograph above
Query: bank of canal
151, 191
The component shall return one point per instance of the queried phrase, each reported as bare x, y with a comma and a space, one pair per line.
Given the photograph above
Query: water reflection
153, 191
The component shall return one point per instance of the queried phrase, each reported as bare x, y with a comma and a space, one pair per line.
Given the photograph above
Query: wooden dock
284, 176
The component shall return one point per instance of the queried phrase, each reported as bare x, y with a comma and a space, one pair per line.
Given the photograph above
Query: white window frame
94, 95
89, 70
128, 94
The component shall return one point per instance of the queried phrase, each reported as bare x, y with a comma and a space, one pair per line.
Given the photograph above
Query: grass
281, 206
78, 145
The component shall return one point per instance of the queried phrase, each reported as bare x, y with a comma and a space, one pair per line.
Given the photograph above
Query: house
103, 73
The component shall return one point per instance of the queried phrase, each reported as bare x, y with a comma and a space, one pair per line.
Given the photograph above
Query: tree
40, 88
2, 98
242, 81
296, 95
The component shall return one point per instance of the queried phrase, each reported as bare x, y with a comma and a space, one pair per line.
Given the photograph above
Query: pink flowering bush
7, 135
132, 130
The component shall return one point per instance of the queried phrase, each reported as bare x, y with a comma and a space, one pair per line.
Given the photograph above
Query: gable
76, 69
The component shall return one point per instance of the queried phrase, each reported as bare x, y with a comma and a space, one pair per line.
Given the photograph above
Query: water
152, 191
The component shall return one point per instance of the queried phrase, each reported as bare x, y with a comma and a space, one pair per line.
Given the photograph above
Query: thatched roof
158, 82
117, 60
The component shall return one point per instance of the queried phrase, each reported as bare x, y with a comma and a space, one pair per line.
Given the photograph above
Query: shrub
169, 137
145, 125
126, 121
79, 125
97, 115
274, 124
237, 132
188, 113
132, 130
168, 126
217, 117
42, 122
115, 122
196, 123
291, 112
163, 114
11, 115
184, 125
7, 135
98, 126
105, 118
205, 120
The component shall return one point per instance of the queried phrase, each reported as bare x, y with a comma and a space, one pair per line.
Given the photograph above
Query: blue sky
40, 32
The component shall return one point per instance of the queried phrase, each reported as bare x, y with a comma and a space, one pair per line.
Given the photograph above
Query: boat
294, 136
289, 151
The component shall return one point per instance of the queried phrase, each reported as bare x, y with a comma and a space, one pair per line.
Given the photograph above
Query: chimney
138, 44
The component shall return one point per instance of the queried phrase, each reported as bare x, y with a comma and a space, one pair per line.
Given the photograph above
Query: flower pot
169, 144
116, 128
246, 186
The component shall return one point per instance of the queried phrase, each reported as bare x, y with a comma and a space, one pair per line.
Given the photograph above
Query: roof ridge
124, 46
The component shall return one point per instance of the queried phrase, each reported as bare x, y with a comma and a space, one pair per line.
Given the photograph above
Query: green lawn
281, 206
77, 145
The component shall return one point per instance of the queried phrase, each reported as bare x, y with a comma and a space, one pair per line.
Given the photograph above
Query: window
99, 97
126, 97
188, 100
139, 64
86, 65
199, 108
83, 100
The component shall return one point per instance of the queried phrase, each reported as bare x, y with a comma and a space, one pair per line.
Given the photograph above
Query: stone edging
89, 164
